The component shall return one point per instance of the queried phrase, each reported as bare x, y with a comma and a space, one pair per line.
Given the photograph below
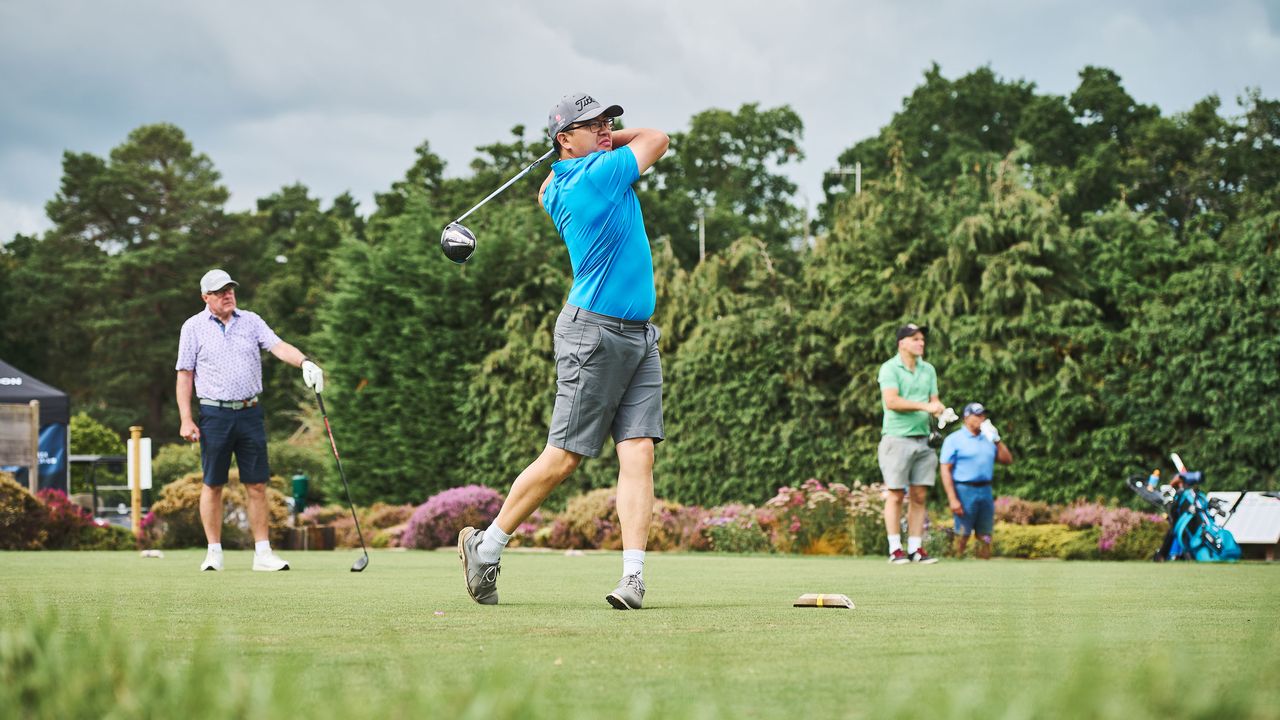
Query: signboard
145, 454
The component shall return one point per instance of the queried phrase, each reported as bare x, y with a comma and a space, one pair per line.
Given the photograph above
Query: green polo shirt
917, 386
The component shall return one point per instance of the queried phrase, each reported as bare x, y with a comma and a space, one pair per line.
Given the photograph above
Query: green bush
311, 459
177, 514
172, 461
1036, 541
739, 537
22, 517
1082, 545
106, 537
1139, 543
90, 437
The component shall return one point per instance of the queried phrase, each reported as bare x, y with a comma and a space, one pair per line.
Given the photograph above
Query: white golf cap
215, 280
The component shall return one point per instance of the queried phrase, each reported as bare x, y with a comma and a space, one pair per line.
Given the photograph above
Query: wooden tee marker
824, 600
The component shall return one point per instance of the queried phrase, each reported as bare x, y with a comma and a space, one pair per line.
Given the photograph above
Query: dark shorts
608, 380
979, 509
224, 431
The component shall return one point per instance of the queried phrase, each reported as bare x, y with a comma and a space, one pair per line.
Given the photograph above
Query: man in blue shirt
968, 463
608, 371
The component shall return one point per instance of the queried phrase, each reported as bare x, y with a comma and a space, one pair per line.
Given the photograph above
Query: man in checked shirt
220, 356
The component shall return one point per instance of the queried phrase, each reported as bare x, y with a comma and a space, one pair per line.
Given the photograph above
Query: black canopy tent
20, 388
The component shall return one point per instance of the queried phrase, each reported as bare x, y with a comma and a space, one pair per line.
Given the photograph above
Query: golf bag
1195, 521
1193, 533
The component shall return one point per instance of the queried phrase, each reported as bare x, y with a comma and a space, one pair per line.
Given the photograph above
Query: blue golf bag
1193, 532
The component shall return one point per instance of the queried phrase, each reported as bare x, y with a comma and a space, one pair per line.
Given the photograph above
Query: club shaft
507, 184
341, 474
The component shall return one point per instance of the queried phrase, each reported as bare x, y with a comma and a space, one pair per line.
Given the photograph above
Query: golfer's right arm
948, 484
183, 391
646, 144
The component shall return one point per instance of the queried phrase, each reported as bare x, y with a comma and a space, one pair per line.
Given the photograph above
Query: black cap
910, 329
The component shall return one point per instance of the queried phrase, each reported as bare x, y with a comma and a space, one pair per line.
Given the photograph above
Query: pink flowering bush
436, 522
734, 528
67, 526
1081, 515
813, 519
65, 520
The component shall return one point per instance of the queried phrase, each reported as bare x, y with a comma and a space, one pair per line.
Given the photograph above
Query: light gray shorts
907, 461
608, 380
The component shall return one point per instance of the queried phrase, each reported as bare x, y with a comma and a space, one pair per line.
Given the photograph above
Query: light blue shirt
972, 457
597, 213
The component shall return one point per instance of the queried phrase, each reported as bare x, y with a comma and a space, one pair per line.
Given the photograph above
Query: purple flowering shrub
1121, 532
676, 527
436, 522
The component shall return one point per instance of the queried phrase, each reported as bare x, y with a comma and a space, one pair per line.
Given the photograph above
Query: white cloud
336, 96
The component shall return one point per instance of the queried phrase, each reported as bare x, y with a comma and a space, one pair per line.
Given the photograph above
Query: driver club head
457, 242
362, 562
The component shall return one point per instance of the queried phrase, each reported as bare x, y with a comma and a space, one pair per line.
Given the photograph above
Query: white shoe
212, 561
270, 562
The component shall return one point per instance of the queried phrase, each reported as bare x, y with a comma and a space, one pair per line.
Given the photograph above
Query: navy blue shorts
979, 509
224, 431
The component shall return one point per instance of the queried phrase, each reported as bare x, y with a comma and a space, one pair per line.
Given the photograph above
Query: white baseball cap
215, 280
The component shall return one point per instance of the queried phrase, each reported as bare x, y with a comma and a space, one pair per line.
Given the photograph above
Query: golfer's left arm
1004, 456
312, 375
288, 353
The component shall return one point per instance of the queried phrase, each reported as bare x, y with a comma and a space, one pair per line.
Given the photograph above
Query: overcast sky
337, 95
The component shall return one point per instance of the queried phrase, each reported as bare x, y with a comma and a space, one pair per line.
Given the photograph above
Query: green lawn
718, 638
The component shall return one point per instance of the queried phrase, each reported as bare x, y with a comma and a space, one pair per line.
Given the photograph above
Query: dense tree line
1101, 275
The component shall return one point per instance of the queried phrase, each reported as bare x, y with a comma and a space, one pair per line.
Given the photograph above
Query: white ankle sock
633, 563
215, 547
262, 547
895, 543
492, 544
913, 544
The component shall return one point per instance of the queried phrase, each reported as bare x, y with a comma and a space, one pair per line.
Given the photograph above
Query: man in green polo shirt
909, 389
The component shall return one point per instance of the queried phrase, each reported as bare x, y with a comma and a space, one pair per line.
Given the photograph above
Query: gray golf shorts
608, 380
907, 461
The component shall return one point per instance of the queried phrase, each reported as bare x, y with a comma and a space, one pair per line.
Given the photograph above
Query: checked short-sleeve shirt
226, 360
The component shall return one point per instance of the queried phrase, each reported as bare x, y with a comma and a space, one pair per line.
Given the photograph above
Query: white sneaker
212, 561
270, 562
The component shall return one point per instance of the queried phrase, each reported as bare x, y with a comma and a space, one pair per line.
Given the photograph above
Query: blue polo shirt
972, 457
597, 213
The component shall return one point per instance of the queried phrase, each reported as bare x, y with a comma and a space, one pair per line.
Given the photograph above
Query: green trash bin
300, 483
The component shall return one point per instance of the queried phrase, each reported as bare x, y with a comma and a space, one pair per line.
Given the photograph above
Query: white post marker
139, 468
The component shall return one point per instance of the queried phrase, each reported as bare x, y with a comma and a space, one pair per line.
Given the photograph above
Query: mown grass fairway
718, 637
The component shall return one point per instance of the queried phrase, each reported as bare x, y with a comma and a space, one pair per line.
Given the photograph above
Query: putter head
362, 562
457, 242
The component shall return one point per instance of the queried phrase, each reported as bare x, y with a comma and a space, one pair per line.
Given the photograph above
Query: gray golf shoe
482, 577
629, 595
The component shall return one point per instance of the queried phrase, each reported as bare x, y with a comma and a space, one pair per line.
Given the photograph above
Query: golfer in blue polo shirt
968, 460
608, 369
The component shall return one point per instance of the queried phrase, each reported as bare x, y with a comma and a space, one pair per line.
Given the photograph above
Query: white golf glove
989, 431
313, 376
947, 416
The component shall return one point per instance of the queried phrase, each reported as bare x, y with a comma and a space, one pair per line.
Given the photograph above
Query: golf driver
457, 241
361, 562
